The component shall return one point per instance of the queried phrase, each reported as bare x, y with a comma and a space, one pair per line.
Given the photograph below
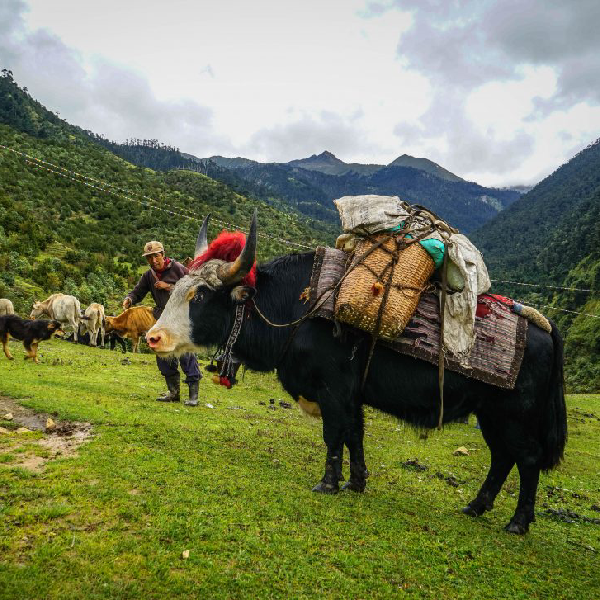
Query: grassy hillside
231, 484
550, 237
57, 234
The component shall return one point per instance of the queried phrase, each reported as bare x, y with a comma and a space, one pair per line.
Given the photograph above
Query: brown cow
132, 323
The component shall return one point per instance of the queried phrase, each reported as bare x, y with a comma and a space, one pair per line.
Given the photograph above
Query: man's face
156, 261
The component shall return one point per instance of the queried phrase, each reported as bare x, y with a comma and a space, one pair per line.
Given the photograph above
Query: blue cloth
434, 247
189, 365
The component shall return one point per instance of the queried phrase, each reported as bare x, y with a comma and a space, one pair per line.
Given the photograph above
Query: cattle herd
91, 326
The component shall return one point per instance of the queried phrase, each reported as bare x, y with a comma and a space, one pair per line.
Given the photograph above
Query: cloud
308, 134
99, 95
508, 78
471, 42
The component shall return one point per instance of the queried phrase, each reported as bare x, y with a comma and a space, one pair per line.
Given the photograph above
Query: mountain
328, 163
311, 190
230, 163
424, 164
550, 237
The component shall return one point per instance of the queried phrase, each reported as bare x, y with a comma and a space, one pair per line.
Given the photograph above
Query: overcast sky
500, 92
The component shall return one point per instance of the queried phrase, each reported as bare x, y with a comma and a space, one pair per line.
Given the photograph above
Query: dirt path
60, 438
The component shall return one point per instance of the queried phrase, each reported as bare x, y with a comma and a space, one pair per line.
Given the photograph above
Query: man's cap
153, 248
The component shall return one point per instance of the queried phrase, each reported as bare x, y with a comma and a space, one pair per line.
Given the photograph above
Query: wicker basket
363, 290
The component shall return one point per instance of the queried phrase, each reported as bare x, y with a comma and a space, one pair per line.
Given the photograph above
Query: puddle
63, 440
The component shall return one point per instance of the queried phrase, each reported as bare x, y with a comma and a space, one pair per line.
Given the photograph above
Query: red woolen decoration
226, 246
225, 381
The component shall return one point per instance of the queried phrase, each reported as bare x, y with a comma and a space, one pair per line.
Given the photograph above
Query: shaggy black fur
29, 331
525, 427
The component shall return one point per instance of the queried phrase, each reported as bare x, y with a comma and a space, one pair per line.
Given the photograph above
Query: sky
501, 92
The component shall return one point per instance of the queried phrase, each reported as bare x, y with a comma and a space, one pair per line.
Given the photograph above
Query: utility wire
152, 203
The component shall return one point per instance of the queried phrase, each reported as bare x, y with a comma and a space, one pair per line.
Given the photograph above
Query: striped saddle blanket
500, 333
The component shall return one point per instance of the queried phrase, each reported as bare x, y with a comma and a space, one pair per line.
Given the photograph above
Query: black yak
525, 426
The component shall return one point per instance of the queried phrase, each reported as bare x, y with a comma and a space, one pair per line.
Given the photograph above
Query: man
159, 280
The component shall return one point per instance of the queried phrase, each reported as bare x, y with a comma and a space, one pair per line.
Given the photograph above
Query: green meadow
165, 501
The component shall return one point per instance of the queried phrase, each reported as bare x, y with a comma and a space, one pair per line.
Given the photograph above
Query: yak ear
242, 293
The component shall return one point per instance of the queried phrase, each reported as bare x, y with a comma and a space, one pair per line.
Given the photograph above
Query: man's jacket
171, 275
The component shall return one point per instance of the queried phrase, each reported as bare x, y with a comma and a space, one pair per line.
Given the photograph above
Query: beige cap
153, 248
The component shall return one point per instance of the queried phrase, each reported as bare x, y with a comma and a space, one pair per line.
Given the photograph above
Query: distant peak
424, 164
327, 154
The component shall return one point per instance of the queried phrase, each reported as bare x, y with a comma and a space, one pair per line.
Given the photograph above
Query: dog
29, 331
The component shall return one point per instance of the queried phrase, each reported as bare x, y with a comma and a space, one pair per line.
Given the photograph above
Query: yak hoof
354, 487
469, 510
516, 528
326, 488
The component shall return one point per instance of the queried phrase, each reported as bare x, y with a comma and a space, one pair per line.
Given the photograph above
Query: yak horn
233, 272
202, 240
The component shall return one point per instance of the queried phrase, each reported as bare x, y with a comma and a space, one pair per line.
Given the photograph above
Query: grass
232, 483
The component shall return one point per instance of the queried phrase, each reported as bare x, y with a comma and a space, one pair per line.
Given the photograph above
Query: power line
152, 203
554, 287
559, 309
123, 193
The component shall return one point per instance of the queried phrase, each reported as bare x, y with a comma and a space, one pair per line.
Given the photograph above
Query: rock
5, 431
23, 430
50, 424
185, 554
461, 451
8, 417
284, 404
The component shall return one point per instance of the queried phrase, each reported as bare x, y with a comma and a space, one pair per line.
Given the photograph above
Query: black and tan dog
29, 331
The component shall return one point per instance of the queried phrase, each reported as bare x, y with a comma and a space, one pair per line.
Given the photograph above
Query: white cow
62, 307
6, 307
93, 321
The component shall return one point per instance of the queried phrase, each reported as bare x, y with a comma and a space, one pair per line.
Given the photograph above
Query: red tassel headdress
227, 246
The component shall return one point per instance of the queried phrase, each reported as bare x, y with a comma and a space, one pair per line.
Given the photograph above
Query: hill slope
550, 236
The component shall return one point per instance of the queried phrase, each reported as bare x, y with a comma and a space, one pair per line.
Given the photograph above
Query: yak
525, 426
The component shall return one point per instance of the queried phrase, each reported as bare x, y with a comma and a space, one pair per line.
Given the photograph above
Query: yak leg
354, 441
529, 474
501, 465
495, 430
333, 434
7, 353
135, 344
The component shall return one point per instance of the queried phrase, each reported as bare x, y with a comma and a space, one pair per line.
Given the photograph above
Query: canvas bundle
393, 274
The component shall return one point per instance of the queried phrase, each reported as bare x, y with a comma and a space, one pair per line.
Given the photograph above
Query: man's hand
162, 285
126, 303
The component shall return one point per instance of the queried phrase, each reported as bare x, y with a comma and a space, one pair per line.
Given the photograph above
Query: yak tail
554, 420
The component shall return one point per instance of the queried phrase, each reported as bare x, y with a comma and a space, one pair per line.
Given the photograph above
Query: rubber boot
193, 400
172, 395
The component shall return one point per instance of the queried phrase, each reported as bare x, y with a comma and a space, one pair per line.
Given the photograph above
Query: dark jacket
172, 274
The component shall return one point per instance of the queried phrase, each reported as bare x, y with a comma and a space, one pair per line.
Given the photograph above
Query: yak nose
153, 340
